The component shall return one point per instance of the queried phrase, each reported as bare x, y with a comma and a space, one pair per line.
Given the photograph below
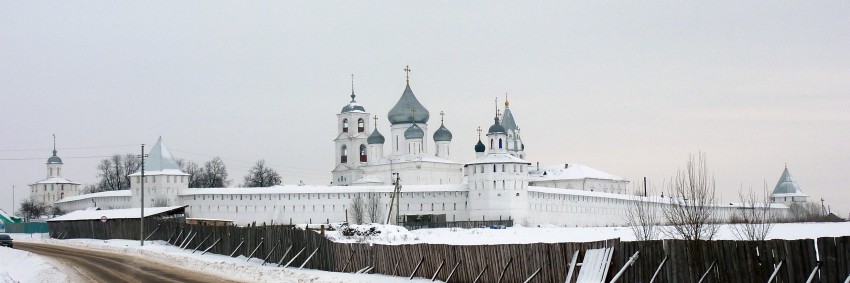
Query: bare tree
214, 174
357, 211
261, 175
32, 209
754, 219
374, 208
194, 171
691, 213
113, 172
643, 217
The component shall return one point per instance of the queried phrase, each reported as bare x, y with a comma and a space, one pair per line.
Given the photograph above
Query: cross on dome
407, 73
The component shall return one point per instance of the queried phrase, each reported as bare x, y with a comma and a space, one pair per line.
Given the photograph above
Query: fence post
154, 231
417, 267
189, 241
202, 243
237, 247
294, 257
211, 246
452, 272
284, 256
479, 274
532, 275
505, 269
270, 253
255, 250
438, 270
308, 258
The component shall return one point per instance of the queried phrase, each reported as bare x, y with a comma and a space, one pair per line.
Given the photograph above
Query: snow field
22, 266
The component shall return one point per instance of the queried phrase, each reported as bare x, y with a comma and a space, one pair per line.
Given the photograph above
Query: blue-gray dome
414, 132
442, 134
54, 158
496, 128
402, 112
479, 147
375, 138
353, 106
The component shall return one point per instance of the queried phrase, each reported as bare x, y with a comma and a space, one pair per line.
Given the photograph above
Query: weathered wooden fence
684, 261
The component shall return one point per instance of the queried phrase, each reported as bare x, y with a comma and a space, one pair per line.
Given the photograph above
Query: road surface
98, 266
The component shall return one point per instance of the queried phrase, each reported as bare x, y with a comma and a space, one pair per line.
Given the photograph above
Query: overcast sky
629, 88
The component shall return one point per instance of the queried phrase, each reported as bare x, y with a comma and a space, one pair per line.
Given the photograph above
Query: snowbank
371, 233
22, 266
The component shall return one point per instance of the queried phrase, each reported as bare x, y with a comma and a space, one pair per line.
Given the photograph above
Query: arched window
343, 156
491, 143
360, 125
363, 153
345, 125
500, 143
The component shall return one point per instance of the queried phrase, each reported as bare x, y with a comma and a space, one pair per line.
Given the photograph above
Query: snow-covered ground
22, 266
523, 235
219, 265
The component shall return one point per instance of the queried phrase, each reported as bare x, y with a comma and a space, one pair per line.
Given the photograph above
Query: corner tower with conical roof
787, 191
164, 179
406, 113
350, 144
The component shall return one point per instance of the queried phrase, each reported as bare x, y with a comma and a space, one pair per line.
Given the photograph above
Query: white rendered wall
160, 190
498, 195
417, 172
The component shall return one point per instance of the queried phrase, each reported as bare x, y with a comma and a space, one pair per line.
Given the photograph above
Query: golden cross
407, 73
376, 121
479, 132
441, 116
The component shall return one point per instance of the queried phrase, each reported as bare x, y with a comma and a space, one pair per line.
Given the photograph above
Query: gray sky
628, 88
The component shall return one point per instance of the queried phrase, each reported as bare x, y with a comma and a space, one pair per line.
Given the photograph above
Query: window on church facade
360, 125
343, 156
345, 125
363, 157
500, 143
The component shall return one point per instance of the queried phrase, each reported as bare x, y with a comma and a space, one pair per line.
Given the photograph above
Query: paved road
97, 266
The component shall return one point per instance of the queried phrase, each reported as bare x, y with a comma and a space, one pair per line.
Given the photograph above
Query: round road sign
103, 219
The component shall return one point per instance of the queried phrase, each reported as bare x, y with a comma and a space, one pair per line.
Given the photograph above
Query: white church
500, 184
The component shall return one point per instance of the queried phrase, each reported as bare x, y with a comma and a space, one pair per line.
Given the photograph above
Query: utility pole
13, 199
142, 194
822, 209
394, 199
644, 187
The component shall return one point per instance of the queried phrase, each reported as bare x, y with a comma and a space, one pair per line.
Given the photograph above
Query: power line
41, 158
67, 148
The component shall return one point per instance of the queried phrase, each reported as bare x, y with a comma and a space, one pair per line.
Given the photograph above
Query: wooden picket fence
683, 261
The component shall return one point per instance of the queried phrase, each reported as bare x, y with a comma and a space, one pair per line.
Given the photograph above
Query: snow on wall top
294, 189
126, 213
498, 158
118, 193
56, 180
571, 172
413, 157
655, 199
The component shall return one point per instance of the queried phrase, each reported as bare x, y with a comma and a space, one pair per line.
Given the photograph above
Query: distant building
787, 191
499, 184
54, 187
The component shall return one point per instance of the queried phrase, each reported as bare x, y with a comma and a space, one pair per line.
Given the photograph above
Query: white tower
443, 139
350, 143
401, 119
54, 187
787, 191
513, 143
498, 182
163, 179
414, 136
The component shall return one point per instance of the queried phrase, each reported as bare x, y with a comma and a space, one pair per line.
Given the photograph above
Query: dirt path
98, 266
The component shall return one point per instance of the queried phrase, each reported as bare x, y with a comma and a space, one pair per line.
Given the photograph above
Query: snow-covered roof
118, 193
498, 158
56, 180
571, 172
126, 213
411, 158
7, 216
787, 187
160, 162
295, 189
368, 180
